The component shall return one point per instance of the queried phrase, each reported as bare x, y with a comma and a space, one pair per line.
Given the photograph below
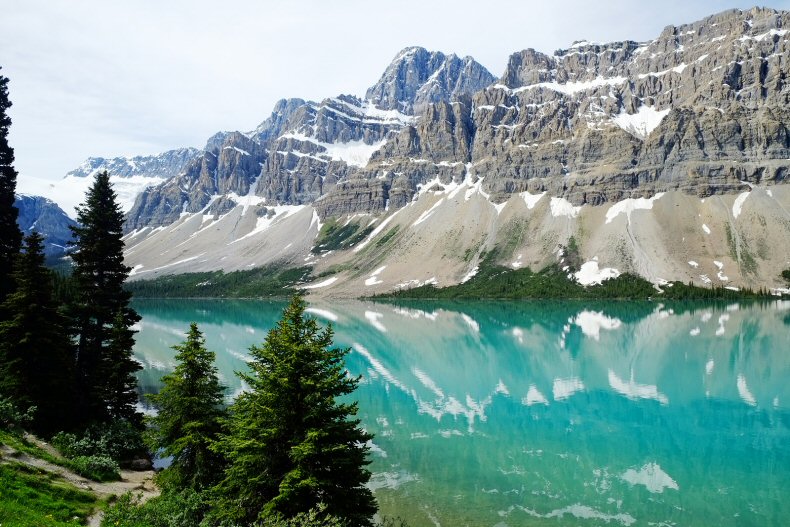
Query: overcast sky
118, 77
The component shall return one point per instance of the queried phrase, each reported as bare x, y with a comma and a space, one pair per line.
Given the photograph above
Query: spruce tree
121, 383
36, 354
10, 236
291, 444
101, 315
190, 409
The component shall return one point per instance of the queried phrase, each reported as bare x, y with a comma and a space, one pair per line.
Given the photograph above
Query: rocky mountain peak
527, 67
417, 77
164, 165
277, 122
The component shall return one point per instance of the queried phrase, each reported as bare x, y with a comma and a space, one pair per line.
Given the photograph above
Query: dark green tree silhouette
190, 409
100, 312
10, 235
121, 383
36, 354
291, 444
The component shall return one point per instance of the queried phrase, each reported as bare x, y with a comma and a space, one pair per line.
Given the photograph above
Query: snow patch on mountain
568, 88
355, 153
280, 213
627, 206
738, 204
563, 207
642, 123
531, 199
591, 274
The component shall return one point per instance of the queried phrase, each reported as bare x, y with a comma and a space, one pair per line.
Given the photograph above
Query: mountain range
667, 158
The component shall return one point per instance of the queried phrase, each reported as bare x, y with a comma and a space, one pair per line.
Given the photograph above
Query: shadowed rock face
43, 216
417, 78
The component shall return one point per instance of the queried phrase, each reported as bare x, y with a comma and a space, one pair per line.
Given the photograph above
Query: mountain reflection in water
513, 413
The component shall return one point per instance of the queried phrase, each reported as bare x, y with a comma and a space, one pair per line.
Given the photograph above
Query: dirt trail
138, 482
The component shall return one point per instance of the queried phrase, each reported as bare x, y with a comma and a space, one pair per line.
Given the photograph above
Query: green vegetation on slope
271, 281
21, 444
29, 496
334, 236
185, 509
494, 281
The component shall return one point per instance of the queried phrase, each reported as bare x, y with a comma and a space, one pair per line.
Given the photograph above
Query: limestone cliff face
228, 165
702, 109
304, 149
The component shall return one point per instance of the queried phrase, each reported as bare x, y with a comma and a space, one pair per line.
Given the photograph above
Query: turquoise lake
545, 413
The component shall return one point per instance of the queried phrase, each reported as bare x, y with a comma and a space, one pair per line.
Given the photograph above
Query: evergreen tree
10, 236
121, 386
36, 354
100, 312
291, 445
190, 408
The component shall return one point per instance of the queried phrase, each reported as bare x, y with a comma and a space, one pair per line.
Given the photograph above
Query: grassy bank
34, 497
31, 496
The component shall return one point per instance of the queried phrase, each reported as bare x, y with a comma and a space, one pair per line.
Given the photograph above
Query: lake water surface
545, 413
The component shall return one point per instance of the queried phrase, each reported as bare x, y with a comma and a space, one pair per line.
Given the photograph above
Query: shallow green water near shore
546, 413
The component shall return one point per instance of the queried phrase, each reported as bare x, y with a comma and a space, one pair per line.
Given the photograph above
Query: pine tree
291, 445
100, 312
36, 354
10, 236
190, 409
121, 386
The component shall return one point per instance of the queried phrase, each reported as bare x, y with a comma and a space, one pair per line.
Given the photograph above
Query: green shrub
97, 468
71, 446
312, 518
119, 441
189, 508
11, 418
99, 451
182, 509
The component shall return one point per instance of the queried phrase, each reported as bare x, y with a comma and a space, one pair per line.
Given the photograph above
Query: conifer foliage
36, 354
291, 444
101, 315
190, 408
10, 236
